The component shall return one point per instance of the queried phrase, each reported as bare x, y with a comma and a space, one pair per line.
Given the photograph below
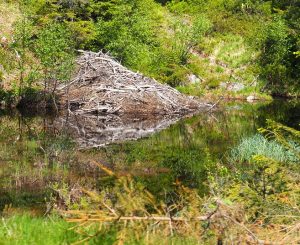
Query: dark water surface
37, 153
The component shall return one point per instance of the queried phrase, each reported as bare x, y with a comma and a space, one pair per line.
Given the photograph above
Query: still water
39, 152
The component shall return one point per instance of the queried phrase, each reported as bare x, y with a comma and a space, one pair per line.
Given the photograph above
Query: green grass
25, 230
258, 145
224, 58
192, 89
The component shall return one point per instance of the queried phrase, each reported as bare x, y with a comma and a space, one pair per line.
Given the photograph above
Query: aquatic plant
259, 145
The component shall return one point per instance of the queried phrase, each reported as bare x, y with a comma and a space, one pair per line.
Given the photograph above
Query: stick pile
104, 86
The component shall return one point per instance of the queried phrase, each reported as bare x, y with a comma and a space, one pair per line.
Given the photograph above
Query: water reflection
96, 131
35, 151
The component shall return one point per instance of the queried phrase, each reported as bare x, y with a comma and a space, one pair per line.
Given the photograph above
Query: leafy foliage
166, 39
54, 48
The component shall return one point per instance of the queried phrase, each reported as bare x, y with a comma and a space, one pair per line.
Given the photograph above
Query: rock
3, 40
193, 78
2, 104
251, 98
234, 107
223, 85
235, 87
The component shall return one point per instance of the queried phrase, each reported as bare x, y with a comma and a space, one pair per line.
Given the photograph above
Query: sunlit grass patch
24, 229
193, 89
9, 12
230, 49
258, 145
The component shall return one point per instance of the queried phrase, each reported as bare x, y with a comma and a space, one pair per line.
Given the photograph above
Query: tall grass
258, 145
27, 230
23, 230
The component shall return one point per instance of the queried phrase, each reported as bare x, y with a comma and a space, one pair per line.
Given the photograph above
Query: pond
37, 152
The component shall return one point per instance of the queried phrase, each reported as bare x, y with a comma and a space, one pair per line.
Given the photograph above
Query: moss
213, 83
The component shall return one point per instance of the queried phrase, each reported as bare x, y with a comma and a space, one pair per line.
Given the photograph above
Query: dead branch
104, 86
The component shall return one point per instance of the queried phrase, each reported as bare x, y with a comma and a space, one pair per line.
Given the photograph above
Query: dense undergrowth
217, 47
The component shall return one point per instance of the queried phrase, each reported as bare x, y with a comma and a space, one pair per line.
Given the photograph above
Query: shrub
129, 31
275, 52
23, 32
55, 49
187, 36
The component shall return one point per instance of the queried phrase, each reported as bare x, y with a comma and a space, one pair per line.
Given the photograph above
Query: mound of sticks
103, 86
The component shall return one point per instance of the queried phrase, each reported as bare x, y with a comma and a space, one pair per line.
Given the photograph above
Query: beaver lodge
103, 86
108, 103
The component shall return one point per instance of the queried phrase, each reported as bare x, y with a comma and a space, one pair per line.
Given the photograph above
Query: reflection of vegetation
188, 153
30, 158
182, 148
258, 190
280, 111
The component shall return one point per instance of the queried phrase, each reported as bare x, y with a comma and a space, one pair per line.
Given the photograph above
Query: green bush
156, 37
188, 35
276, 48
213, 83
55, 48
129, 32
